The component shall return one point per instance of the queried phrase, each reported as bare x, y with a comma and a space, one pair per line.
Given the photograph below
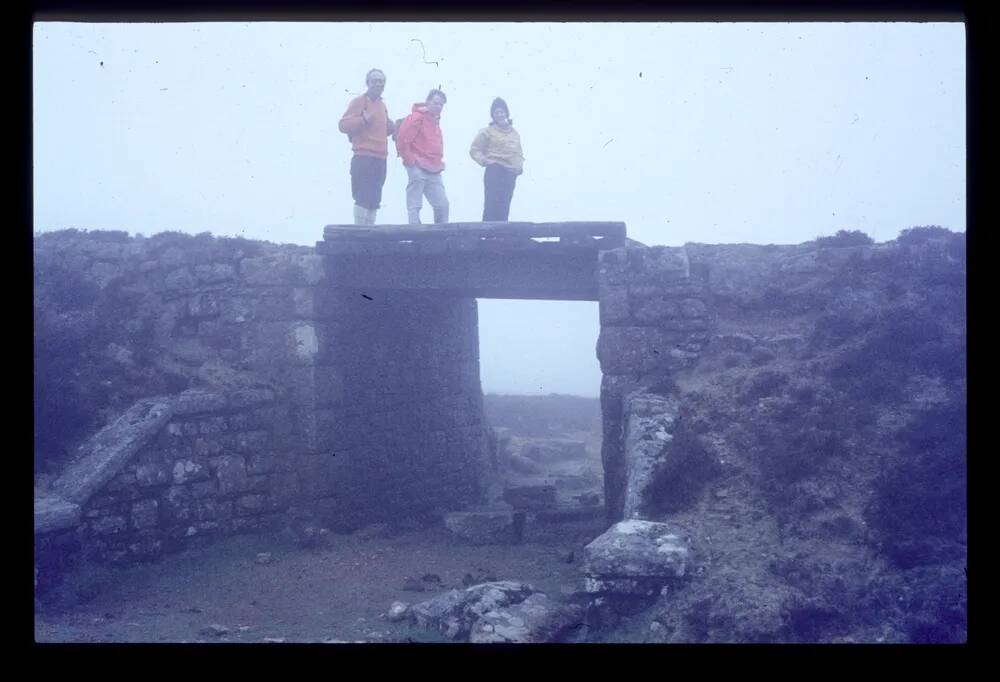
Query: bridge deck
555, 261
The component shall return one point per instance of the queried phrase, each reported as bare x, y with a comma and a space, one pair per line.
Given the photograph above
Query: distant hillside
543, 415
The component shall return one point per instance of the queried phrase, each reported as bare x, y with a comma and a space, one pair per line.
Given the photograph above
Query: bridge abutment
398, 428
654, 323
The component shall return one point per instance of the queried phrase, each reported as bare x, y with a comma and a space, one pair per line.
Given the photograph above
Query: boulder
635, 557
486, 527
398, 611
454, 612
536, 619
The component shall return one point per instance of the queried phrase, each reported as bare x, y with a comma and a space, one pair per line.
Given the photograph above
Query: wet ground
339, 592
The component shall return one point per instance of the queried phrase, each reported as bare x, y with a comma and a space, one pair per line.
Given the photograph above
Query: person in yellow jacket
368, 126
497, 147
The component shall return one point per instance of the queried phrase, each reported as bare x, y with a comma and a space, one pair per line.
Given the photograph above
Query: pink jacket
419, 140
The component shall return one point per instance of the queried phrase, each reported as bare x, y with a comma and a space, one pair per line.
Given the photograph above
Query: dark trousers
498, 182
367, 178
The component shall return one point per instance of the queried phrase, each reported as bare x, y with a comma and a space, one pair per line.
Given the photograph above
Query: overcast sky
687, 132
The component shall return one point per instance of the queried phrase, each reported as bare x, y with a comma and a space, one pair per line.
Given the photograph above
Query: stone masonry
291, 385
360, 406
217, 467
654, 322
399, 429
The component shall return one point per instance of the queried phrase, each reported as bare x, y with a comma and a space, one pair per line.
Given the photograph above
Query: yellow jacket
502, 146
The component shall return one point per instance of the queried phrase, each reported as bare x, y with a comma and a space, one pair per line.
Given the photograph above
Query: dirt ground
338, 592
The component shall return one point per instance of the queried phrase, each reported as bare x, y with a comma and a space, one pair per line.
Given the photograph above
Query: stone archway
398, 394
405, 297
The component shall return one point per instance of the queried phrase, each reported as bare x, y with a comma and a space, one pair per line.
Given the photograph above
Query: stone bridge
362, 359
653, 321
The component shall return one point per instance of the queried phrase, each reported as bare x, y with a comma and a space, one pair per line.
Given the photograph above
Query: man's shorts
367, 178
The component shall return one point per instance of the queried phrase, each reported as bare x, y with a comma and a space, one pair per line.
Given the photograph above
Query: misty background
687, 132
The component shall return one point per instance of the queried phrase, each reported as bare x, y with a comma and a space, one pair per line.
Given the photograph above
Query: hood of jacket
421, 108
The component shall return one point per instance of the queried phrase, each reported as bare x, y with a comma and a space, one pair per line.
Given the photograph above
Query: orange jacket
367, 138
419, 140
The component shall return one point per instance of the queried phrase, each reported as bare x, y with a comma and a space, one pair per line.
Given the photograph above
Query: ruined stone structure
344, 379
784, 438
354, 407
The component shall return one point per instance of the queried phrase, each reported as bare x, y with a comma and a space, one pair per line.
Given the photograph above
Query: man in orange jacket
368, 127
421, 145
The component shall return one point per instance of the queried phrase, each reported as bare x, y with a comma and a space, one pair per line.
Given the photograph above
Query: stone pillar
653, 324
399, 429
292, 320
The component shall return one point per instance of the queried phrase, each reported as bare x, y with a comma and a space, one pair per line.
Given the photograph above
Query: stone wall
369, 406
120, 318
224, 463
654, 322
375, 408
674, 318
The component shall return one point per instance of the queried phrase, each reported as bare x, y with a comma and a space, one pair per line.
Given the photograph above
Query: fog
690, 132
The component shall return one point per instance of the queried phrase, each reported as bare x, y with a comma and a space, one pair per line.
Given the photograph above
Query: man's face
435, 104
375, 83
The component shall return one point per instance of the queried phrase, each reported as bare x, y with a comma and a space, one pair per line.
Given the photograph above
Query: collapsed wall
366, 407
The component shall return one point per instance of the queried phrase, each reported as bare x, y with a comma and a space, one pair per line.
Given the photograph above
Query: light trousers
423, 184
